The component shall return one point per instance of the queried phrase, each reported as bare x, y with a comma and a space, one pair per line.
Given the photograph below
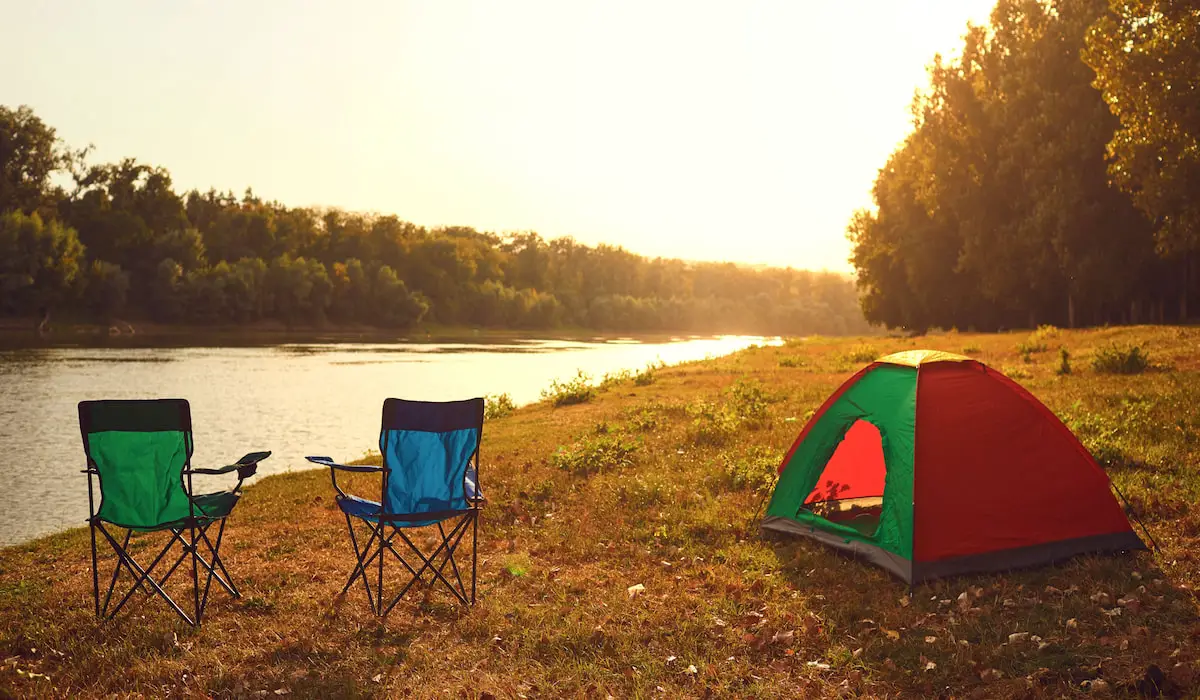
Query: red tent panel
856, 469
995, 469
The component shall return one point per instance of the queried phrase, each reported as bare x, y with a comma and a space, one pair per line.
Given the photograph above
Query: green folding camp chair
140, 453
429, 476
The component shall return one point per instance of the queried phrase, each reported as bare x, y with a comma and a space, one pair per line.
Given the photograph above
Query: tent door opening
849, 491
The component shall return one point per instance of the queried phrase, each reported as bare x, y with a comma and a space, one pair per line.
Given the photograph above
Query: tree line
116, 240
1052, 175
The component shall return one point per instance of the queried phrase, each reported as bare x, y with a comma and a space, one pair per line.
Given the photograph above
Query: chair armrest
328, 462
246, 467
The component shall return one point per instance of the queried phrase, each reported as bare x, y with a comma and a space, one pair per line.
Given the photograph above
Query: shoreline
17, 334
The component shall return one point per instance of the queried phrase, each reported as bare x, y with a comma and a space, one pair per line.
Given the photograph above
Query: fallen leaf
1072, 624
930, 640
818, 665
891, 634
635, 590
691, 670
990, 674
929, 665
904, 601
377, 678
1016, 637
785, 637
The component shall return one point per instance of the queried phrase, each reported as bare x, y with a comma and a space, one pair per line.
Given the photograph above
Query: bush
971, 350
754, 470
1064, 363
595, 454
1043, 333
749, 401
714, 427
648, 376
611, 379
572, 391
497, 406
859, 354
791, 361
1117, 359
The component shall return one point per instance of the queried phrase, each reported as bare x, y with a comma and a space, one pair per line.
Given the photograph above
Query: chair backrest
139, 448
429, 446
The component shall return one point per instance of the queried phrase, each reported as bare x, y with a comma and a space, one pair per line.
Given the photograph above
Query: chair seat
363, 509
216, 505
209, 506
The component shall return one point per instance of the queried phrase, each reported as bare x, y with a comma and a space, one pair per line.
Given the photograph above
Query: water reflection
295, 399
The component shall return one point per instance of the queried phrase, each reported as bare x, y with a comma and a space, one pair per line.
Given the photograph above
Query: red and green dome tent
931, 464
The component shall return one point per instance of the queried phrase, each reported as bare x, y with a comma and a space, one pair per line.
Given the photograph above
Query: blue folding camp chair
429, 477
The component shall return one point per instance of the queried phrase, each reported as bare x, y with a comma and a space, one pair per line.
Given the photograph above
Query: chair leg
143, 576
358, 563
474, 550
95, 570
456, 534
195, 574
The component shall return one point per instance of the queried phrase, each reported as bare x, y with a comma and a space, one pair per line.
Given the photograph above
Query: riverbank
645, 485
23, 333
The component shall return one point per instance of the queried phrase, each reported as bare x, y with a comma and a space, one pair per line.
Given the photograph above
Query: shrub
749, 401
1043, 333
648, 376
791, 361
1031, 346
595, 454
754, 470
611, 379
971, 350
859, 354
1064, 361
572, 391
497, 406
1117, 359
644, 420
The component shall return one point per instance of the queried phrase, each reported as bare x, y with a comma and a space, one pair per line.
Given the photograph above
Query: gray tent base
988, 562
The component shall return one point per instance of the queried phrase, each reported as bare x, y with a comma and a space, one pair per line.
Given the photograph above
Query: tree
1146, 56
39, 263
29, 154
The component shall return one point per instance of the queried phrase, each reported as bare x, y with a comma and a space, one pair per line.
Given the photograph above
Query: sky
745, 130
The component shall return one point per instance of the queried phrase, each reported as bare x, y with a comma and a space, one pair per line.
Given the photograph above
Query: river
292, 399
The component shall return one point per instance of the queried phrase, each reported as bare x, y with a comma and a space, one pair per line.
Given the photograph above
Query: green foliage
240, 259
1064, 362
107, 289
996, 210
40, 263
754, 470
1144, 53
649, 375
596, 454
744, 406
575, 390
613, 379
791, 361
859, 354
1118, 359
497, 406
